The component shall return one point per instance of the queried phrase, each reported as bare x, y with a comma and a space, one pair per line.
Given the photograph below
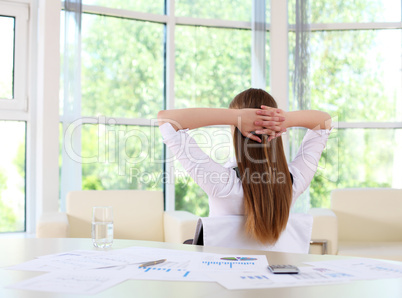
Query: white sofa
137, 214
361, 222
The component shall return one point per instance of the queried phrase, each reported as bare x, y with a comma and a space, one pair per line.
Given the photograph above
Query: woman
259, 184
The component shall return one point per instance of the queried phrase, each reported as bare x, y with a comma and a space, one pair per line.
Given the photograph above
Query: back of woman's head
264, 173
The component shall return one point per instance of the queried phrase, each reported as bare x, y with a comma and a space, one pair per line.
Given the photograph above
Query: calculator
283, 269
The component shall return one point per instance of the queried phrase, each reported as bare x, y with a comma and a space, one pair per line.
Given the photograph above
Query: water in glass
102, 234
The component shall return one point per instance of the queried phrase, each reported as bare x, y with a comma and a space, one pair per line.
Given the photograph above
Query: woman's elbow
161, 117
328, 121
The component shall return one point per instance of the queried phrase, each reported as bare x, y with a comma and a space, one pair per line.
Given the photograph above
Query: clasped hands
265, 121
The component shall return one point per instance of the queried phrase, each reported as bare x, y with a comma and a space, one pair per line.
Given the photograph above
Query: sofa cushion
375, 250
137, 214
368, 214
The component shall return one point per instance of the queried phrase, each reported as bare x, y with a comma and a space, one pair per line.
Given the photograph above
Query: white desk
15, 251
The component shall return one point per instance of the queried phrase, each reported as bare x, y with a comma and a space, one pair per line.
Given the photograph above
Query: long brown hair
264, 173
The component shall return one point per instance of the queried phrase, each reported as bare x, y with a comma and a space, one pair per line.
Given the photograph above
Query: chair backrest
229, 231
137, 214
368, 214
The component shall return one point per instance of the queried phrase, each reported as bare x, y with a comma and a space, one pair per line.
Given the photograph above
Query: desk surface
15, 251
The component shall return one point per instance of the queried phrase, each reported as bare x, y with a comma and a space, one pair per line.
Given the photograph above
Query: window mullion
279, 57
258, 44
71, 171
170, 100
352, 26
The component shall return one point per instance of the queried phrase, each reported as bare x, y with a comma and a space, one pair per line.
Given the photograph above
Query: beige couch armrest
179, 226
325, 227
52, 225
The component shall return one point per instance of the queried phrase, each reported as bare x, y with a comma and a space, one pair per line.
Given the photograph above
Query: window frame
20, 13
17, 108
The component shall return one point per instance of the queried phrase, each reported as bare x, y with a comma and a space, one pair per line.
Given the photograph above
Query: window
122, 68
13, 79
12, 176
355, 61
122, 89
13, 116
126, 51
138, 57
7, 57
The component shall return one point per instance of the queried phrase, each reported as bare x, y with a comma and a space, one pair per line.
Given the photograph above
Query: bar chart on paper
216, 263
254, 277
226, 265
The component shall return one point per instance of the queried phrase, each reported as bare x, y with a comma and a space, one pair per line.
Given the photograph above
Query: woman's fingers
252, 137
265, 132
268, 129
267, 123
276, 110
271, 114
278, 134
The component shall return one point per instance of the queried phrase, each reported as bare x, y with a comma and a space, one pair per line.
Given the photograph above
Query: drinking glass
102, 226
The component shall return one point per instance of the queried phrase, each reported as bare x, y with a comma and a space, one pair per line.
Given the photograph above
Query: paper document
238, 280
82, 282
184, 265
91, 271
72, 261
88, 272
362, 268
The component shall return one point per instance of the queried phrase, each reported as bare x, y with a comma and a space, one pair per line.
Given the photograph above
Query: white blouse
221, 183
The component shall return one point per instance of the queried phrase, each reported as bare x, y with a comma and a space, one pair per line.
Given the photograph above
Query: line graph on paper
182, 273
155, 273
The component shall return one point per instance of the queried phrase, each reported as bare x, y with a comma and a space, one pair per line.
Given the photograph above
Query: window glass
121, 157
151, 6
212, 66
122, 67
238, 10
268, 11
355, 75
356, 158
350, 11
216, 142
7, 57
291, 65
268, 64
12, 176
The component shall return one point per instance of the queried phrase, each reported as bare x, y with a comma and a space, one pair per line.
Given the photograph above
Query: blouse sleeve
213, 178
305, 164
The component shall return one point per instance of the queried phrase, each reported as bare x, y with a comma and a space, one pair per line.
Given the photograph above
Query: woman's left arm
243, 119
